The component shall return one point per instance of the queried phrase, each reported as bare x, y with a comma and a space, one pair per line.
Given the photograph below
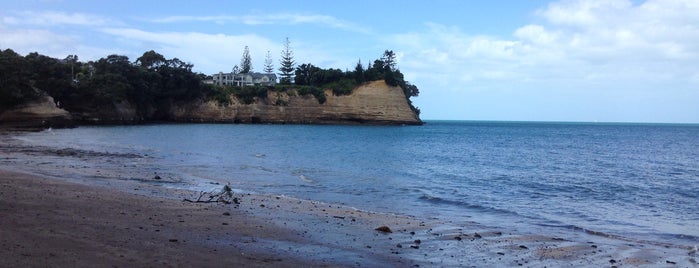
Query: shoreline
105, 219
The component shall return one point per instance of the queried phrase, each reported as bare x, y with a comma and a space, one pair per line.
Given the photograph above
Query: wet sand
59, 221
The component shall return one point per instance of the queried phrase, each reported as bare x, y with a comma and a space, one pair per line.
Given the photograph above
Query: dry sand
55, 221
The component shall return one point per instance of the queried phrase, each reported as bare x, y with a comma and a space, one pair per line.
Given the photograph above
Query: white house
246, 79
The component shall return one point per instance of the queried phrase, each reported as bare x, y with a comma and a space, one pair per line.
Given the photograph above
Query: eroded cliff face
372, 103
40, 113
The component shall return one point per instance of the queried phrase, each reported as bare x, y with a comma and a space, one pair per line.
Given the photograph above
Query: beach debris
523, 247
225, 196
384, 229
476, 235
693, 251
157, 177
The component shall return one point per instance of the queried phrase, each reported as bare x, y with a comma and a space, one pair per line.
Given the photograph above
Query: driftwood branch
224, 196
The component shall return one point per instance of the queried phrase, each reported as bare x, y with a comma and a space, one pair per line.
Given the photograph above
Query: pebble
384, 229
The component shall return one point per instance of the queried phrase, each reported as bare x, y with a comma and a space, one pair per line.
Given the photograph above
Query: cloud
53, 18
34, 40
583, 41
583, 60
271, 19
53, 34
585, 13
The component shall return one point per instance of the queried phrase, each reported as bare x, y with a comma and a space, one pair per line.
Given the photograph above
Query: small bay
636, 181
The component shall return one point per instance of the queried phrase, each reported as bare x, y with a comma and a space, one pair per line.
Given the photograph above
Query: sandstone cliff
372, 103
42, 112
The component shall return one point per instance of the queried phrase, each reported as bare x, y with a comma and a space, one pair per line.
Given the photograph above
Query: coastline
59, 220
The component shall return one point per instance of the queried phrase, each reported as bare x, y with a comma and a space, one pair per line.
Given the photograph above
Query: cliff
374, 103
371, 103
41, 113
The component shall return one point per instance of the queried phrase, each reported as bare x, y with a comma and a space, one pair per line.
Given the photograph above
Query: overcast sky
579, 60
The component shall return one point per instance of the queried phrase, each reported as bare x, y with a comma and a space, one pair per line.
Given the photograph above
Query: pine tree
287, 64
246, 62
269, 66
359, 72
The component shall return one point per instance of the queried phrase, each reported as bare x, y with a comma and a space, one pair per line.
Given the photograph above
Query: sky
568, 60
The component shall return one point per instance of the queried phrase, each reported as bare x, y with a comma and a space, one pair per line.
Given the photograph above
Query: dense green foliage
248, 94
150, 84
318, 93
16, 80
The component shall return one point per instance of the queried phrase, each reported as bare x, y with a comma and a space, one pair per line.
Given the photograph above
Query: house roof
254, 75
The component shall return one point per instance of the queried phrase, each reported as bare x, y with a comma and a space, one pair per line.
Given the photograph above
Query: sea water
636, 181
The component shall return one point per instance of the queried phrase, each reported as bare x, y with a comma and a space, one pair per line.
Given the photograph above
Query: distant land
38, 91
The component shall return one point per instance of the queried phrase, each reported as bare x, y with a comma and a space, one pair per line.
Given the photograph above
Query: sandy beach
59, 222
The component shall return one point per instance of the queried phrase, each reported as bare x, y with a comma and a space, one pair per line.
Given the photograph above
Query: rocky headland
373, 103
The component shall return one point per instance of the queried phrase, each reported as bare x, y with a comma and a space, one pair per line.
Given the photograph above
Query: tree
411, 90
359, 72
15, 73
304, 72
246, 61
72, 59
287, 64
151, 60
269, 66
389, 60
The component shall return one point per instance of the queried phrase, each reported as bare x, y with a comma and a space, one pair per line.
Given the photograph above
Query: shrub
247, 94
318, 93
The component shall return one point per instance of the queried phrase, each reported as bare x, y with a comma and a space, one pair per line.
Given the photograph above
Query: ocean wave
462, 204
630, 237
